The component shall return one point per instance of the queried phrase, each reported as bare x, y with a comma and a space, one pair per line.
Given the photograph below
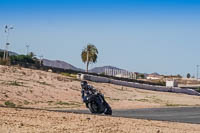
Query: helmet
84, 84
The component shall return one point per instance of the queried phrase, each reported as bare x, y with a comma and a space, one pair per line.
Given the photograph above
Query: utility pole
6, 51
197, 72
7, 31
41, 57
27, 49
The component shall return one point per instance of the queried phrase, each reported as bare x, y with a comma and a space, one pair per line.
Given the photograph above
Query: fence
120, 73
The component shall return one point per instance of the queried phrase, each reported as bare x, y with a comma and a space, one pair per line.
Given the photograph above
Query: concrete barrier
94, 78
137, 85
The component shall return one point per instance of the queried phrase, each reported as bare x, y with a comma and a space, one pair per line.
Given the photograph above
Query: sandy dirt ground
34, 88
20, 87
33, 121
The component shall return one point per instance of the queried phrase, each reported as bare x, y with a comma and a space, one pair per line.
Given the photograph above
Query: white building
171, 83
154, 77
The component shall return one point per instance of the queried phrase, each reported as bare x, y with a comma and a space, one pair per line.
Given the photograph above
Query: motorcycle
95, 101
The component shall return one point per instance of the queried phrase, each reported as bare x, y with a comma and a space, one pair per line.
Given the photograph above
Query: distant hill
60, 64
102, 69
155, 73
10, 52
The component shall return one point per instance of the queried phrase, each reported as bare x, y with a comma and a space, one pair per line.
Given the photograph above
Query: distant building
154, 77
172, 77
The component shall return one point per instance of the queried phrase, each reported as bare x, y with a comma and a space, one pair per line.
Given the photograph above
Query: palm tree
89, 55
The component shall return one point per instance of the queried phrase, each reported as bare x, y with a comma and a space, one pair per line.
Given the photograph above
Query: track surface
181, 114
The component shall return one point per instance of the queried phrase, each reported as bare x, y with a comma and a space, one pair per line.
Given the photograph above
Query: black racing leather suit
87, 90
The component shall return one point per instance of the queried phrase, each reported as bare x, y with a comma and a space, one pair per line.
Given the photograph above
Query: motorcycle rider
86, 90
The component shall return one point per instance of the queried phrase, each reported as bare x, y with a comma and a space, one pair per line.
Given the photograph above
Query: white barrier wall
137, 85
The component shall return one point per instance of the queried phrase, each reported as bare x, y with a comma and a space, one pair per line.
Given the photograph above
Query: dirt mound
35, 88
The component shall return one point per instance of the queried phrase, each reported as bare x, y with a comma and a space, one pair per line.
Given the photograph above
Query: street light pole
7, 44
197, 72
41, 57
7, 31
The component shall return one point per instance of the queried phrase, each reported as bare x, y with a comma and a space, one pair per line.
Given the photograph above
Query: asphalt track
180, 114
175, 114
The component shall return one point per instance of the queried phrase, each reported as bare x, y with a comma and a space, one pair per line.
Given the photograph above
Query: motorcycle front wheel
94, 107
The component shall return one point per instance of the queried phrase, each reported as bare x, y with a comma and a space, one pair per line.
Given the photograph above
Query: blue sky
139, 35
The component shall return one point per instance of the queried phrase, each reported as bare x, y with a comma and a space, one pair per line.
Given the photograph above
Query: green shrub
63, 103
1, 54
163, 83
4, 62
198, 89
10, 104
22, 58
66, 74
69, 75
15, 83
26, 102
43, 83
